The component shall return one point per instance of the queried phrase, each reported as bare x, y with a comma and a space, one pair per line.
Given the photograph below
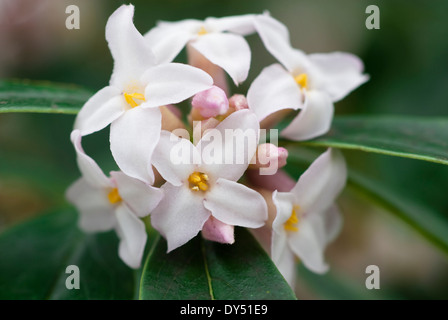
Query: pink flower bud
269, 157
238, 102
211, 103
215, 230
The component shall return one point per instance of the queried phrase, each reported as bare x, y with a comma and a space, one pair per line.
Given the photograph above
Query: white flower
307, 218
307, 82
198, 190
112, 203
220, 40
137, 88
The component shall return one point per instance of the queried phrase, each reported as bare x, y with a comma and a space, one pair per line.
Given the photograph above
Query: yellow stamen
130, 98
302, 80
114, 197
291, 223
202, 31
198, 181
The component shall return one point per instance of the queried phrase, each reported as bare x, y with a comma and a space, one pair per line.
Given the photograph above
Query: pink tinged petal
275, 37
321, 183
133, 138
313, 120
211, 103
173, 83
228, 149
228, 51
175, 158
100, 110
140, 197
307, 245
241, 24
180, 215
247, 207
131, 54
167, 40
215, 230
338, 73
95, 211
132, 233
90, 170
273, 90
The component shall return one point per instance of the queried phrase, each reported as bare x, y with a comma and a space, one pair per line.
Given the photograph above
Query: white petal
307, 245
241, 24
140, 197
228, 51
273, 90
179, 216
175, 158
100, 110
131, 54
133, 137
90, 170
332, 222
338, 73
321, 183
275, 37
247, 208
284, 203
95, 211
313, 120
286, 264
167, 40
173, 83
228, 149
132, 233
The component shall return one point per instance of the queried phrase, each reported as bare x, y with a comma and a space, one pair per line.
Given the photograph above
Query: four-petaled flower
138, 86
307, 82
307, 218
115, 202
220, 40
200, 183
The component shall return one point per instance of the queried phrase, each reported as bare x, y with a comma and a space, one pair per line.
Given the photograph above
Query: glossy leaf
41, 97
403, 136
35, 255
207, 271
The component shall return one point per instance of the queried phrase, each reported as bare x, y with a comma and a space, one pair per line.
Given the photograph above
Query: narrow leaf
411, 137
41, 97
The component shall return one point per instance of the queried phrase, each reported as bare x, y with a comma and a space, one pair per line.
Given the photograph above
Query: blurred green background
408, 65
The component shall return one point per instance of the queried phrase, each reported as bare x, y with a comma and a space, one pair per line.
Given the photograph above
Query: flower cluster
214, 181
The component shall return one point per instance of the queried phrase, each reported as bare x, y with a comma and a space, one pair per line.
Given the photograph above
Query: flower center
302, 80
134, 99
114, 197
202, 31
292, 222
198, 181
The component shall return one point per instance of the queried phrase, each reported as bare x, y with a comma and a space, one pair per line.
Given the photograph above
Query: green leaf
41, 97
428, 222
207, 270
35, 255
411, 137
431, 224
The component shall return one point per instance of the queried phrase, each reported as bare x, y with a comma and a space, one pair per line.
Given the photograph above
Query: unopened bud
218, 231
211, 103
